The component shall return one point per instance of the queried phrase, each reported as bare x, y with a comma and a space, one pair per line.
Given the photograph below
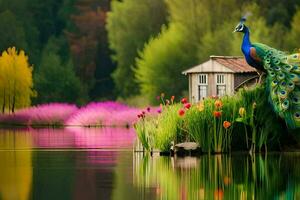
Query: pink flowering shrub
61, 114
46, 114
104, 114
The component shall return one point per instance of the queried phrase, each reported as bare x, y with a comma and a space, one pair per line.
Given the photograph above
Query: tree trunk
3, 105
9, 103
14, 99
13, 103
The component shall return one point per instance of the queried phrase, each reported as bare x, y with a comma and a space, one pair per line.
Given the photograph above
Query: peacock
282, 75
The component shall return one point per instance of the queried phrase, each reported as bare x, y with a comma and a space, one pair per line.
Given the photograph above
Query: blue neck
246, 47
246, 41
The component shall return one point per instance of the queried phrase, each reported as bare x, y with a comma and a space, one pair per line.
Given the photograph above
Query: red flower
184, 100
187, 105
141, 115
181, 112
217, 114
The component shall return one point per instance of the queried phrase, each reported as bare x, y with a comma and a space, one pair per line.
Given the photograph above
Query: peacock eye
297, 115
283, 83
295, 99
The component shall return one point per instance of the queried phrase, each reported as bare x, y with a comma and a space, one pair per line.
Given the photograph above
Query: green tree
130, 25
201, 19
12, 32
161, 63
294, 35
56, 80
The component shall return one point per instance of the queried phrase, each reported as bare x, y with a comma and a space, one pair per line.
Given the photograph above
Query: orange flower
172, 98
218, 104
226, 124
181, 112
226, 180
218, 194
217, 114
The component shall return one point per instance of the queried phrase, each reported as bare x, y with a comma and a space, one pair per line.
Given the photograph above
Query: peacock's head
241, 26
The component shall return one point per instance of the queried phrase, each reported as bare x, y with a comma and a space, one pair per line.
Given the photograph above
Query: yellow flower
200, 106
242, 111
254, 105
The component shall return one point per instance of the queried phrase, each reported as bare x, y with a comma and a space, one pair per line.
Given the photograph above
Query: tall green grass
170, 128
254, 130
206, 129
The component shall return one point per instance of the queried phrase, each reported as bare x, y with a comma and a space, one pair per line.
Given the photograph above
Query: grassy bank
244, 121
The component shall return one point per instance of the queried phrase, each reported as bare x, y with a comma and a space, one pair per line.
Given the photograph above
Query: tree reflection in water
237, 176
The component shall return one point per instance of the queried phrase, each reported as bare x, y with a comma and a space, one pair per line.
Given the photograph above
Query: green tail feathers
283, 82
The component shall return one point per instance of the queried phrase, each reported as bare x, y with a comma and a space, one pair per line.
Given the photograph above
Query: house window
220, 83
202, 87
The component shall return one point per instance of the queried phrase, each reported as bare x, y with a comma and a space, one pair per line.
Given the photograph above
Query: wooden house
220, 75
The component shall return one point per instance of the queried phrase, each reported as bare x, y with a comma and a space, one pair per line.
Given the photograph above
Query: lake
82, 163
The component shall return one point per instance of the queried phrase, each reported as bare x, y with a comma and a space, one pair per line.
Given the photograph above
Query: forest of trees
88, 50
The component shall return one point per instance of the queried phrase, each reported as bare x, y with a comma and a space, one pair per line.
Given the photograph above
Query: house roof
231, 64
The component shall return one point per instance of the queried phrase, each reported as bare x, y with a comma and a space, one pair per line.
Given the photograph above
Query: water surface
77, 163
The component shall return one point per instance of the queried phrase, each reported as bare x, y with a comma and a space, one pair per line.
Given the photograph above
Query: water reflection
220, 177
15, 167
64, 163
85, 138
91, 164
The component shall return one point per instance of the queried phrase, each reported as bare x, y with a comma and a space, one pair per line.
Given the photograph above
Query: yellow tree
16, 85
